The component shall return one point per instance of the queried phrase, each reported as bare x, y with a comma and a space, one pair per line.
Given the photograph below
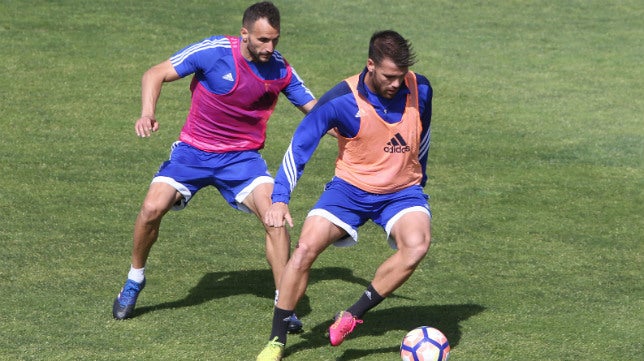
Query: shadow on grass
378, 322
216, 285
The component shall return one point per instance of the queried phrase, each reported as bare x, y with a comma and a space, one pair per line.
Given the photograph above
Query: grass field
536, 178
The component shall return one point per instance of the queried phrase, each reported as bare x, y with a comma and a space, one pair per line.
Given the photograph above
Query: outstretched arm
151, 84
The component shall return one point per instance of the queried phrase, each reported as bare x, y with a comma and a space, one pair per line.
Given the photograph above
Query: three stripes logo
397, 144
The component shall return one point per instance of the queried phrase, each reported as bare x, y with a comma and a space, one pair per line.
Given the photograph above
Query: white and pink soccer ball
424, 344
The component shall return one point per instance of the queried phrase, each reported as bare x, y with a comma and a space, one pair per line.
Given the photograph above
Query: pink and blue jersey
232, 98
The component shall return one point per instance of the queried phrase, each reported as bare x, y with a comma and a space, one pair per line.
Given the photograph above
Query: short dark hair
262, 10
389, 44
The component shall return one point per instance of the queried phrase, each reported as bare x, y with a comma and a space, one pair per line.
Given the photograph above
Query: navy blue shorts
234, 174
349, 207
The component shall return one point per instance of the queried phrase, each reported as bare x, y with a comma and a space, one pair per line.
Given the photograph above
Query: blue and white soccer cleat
126, 300
294, 324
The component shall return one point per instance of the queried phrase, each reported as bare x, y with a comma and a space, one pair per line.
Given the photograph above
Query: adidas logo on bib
397, 144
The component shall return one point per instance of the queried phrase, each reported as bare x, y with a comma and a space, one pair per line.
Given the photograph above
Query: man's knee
153, 210
415, 250
303, 257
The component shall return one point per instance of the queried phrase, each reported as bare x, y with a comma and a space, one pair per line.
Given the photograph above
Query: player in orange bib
381, 118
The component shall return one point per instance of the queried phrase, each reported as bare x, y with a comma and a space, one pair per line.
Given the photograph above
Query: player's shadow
377, 322
216, 285
259, 283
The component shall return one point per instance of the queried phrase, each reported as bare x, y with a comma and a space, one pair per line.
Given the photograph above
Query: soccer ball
424, 344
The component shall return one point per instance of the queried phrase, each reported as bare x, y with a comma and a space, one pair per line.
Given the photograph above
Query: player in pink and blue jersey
235, 86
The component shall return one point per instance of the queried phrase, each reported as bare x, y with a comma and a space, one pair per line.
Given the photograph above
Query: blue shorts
349, 207
234, 174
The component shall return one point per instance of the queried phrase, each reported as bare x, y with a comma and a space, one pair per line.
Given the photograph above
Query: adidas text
397, 149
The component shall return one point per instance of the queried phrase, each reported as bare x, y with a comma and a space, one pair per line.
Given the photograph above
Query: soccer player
381, 118
235, 87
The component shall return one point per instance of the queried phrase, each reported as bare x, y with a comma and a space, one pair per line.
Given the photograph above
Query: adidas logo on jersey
397, 144
228, 77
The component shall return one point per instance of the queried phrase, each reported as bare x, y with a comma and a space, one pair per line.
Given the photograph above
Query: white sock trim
136, 274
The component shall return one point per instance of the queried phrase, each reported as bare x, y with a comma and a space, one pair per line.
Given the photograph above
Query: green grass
536, 177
